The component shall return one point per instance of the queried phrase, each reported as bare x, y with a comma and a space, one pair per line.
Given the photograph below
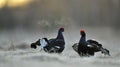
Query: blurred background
38, 14
24, 20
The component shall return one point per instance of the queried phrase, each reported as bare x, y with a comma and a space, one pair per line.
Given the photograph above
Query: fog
46, 16
53, 13
20, 26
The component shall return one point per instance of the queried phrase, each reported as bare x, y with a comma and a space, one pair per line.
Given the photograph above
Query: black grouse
54, 45
88, 47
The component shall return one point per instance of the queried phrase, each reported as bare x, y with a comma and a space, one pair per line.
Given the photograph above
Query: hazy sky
54, 13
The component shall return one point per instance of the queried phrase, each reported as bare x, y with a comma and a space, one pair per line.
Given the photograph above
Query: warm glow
2, 3
13, 3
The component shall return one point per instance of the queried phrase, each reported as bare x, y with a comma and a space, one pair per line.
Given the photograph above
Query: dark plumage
88, 47
57, 44
54, 45
34, 45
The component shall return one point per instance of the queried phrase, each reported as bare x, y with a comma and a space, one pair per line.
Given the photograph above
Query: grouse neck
82, 39
60, 35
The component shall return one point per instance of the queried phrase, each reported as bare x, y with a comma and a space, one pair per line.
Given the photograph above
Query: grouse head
61, 29
82, 32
